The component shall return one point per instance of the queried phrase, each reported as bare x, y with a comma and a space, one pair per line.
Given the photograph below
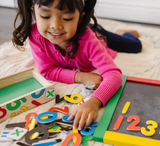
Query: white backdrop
146, 11
7, 3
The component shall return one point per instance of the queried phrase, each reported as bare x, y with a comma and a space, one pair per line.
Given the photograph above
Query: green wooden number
18, 104
85, 138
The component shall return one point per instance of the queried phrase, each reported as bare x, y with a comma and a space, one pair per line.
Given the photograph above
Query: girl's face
55, 25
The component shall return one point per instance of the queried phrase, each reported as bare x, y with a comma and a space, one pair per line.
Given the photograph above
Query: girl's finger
82, 121
95, 116
76, 120
89, 120
72, 115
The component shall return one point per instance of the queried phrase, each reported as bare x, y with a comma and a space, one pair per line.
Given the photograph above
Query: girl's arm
112, 75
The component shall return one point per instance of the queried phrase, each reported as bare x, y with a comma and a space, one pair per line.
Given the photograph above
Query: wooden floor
7, 16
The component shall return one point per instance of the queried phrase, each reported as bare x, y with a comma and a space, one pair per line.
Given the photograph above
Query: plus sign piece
17, 133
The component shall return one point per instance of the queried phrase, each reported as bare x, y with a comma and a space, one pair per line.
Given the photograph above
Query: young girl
61, 42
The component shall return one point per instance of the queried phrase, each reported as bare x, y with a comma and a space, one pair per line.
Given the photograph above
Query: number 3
151, 127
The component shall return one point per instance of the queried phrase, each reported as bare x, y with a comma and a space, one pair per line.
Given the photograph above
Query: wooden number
64, 129
75, 131
58, 99
64, 118
22, 144
47, 143
32, 126
28, 120
13, 115
152, 125
54, 109
18, 104
125, 109
52, 118
133, 126
12, 125
60, 121
118, 122
91, 129
50, 130
37, 129
54, 127
48, 125
4, 112
72, 98
70, 136
44, 143
39, 95
22, 108
85, 138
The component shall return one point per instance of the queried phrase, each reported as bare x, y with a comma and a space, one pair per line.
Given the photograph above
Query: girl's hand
86, 113
88, 79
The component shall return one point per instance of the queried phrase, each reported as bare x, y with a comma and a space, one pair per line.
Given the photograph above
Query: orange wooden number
70, 136
118, 122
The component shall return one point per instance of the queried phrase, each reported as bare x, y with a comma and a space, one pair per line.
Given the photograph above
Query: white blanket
145, 64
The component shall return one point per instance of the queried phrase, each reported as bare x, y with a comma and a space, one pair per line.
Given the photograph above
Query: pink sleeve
112, 75
47, 67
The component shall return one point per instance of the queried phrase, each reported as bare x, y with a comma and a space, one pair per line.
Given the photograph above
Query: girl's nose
56, 25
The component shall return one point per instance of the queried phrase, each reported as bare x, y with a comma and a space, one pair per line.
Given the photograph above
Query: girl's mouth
56, 35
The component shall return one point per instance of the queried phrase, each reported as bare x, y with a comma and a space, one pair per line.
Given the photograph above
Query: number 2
133, 126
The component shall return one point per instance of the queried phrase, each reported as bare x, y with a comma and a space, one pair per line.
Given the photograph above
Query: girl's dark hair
21, 32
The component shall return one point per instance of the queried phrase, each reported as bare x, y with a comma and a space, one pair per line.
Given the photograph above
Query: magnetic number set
43, 129
131, 116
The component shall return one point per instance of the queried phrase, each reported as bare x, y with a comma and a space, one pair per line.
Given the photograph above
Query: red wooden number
133, 126
54, 109
118, 122
4, 112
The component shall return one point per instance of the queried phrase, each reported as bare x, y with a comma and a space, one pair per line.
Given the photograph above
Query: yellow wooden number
22, 108
75, 131
152, 125
32, 125
72, 98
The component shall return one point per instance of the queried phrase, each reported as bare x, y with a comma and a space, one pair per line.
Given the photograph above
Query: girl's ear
82, 14
81, 17
33, 14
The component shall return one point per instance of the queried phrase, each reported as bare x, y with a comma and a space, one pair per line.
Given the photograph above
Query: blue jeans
127, 42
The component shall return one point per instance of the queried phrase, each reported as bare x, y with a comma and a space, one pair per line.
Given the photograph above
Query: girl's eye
67, 19
45, 17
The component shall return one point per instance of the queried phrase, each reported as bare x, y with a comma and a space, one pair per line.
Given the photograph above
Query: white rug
145, 64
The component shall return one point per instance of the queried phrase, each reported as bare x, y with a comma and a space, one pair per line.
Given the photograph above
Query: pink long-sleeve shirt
91, 54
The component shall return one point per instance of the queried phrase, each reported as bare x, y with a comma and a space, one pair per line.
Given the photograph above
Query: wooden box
23, 91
